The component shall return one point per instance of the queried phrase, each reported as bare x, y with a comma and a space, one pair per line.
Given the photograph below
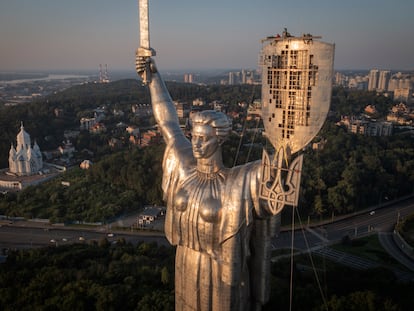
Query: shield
297, 77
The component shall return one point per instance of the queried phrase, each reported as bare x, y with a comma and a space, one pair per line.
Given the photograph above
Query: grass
407, 230
369, 248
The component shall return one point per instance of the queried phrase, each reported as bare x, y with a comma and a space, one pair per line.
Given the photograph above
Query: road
25, 235
381, 220
388, 242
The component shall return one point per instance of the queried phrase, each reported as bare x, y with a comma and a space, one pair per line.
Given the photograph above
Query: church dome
36, 150
12, 152
23, 138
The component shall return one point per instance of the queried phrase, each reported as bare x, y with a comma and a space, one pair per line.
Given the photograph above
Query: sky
196, 35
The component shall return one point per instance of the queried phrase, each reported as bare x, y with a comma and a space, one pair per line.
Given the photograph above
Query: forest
101, 276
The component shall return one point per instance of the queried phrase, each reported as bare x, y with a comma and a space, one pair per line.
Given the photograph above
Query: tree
165, 276
359, 301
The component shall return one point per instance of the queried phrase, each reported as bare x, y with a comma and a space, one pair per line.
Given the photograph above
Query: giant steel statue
220, 219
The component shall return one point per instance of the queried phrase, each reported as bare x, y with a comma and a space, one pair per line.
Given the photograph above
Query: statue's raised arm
163, 107
162, 104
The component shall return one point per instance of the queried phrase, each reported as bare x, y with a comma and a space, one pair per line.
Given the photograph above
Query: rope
291, 262
312, 262
240, 142
244, 126
253, 140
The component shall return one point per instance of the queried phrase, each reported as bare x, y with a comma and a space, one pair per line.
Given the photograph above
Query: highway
359, 225
24, 234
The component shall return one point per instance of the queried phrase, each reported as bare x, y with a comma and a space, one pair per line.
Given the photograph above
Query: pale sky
192, 34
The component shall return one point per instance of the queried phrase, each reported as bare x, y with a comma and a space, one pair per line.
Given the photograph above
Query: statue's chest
198, 202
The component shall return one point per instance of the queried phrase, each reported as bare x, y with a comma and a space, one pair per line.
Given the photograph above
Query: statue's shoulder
250, 167
243, 174
179, 152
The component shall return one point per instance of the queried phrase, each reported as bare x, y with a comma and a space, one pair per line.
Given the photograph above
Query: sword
144, 49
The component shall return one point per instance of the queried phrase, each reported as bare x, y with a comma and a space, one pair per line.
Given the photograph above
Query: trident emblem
280, 180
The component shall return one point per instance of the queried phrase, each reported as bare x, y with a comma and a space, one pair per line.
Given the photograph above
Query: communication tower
103, 74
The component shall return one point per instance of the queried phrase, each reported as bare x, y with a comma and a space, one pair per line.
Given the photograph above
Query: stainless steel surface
220, 219
215, 217
272, 187
144, 37
296, 88
211, 215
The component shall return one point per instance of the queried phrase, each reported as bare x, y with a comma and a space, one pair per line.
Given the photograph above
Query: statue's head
209, 130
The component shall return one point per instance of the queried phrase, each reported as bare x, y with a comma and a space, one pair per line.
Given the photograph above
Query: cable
312, 262
291, 262
253, 140
244, 126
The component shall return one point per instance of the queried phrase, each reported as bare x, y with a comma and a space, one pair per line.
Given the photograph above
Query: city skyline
195, 35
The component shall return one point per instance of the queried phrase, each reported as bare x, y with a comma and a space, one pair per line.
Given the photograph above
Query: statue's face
204, 140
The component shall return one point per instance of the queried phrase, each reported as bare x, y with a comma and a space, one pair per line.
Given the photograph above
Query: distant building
150, 138
219, 106
183, 109
87, 123
255, 108
67, 148
118, 112
199, 102
133, 130
98, 128
319, 145
367, 127
26, 166
232, 78
400, 108
25, 160
142, 110
189, 78
384, 79
59, 112
373, 80
115, 143
358, 82
86, 164
150, 214
401, 114
370, 109
402, 95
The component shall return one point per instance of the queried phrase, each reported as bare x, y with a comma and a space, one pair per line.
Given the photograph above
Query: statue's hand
144, 64
141, 64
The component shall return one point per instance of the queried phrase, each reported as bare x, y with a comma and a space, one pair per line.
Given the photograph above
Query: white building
384, 79
373, 79
25, 160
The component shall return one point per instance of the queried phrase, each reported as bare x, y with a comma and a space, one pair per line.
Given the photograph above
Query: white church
25, 159
26, 166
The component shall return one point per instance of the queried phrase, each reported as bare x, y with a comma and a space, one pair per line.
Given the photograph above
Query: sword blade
144, 39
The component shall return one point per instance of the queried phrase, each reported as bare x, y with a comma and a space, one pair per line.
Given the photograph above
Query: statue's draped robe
221, 232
